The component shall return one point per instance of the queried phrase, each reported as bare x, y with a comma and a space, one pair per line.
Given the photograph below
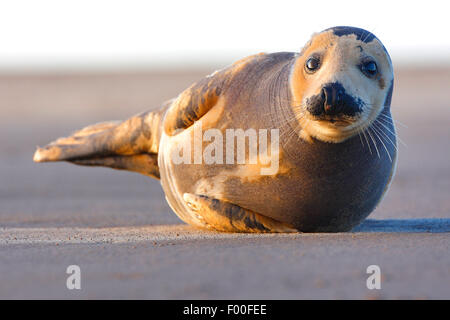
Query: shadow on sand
404, 225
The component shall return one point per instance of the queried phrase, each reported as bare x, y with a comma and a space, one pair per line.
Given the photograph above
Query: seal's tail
129, 145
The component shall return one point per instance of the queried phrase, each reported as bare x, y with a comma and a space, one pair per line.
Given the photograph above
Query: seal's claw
191, 201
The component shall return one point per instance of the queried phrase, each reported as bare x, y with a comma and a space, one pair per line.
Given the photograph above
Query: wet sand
118, 228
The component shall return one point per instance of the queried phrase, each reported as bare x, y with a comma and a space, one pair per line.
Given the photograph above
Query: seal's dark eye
312, 64
369, 68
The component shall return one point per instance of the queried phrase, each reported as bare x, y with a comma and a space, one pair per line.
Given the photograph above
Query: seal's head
341, 81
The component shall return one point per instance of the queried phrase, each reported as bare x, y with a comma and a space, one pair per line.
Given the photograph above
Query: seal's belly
325, 187
186, 167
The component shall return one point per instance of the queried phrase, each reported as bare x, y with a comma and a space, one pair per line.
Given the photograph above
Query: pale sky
60, 34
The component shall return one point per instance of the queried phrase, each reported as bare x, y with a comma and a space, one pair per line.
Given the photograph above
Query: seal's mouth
335, 121
331, 129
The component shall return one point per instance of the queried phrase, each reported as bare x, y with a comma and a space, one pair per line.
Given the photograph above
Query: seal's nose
332, 94
333, 100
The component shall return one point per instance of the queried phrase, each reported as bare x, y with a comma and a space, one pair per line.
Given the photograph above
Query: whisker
386, 116
367, 141
360, 139
374, 142
394, 120
379, 138
386, 136
387, 128
377, 123
290, 135
287, 134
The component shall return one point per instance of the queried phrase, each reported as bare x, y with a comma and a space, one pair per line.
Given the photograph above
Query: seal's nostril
327, 95
333, 98
328, 98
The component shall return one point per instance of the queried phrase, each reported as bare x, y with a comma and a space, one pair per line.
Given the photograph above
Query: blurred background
141, 35
67, 64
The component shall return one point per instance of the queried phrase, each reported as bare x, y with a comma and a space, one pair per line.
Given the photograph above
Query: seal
332, 144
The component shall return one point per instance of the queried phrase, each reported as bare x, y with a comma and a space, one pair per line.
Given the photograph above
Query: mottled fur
329, 179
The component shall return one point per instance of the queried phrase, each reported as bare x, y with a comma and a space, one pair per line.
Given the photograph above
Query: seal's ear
129, 145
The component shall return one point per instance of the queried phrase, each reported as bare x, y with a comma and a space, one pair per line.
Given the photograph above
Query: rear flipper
130, 145
228, 217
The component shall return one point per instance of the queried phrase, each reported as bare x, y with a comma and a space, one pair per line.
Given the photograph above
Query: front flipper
228, 217
129, 145
194, 102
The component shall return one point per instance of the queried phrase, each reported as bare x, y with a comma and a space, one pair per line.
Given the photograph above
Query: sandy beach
128, 243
